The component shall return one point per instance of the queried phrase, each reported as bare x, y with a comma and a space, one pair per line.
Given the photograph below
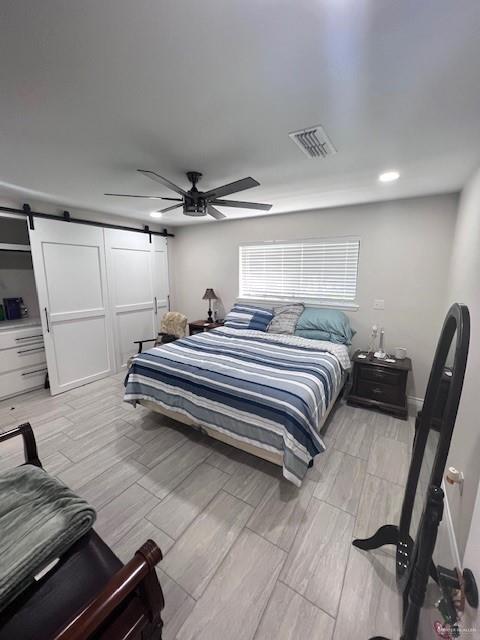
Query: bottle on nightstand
380, 354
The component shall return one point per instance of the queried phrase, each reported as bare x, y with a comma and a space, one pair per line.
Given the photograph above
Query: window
308, 270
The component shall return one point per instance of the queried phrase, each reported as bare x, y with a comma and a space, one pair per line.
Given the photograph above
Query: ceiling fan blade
242, 205
129, 195
171, 208
166, 183
215, 213
232, 187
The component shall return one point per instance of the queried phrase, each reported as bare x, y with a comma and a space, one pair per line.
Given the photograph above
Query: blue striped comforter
265, 389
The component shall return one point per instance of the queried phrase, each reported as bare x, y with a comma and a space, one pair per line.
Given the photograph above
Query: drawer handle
31, 373
29, 350
29, 337
378, 374
376, 390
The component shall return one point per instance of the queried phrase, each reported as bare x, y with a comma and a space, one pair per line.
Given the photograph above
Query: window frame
350, 305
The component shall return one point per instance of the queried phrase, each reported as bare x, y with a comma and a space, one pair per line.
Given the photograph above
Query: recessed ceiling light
156, 214
389, 176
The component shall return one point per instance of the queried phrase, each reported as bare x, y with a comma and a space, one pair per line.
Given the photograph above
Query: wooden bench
89, 594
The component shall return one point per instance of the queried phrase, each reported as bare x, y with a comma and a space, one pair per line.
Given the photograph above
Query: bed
268, 394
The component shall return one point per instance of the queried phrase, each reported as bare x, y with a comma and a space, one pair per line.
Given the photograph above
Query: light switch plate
379, 304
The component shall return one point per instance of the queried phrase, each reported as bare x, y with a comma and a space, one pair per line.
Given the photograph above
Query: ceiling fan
200, 203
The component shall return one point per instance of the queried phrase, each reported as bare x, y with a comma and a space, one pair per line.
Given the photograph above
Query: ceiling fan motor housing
194, 205
195, 208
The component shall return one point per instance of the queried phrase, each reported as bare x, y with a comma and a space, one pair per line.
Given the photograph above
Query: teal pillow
314, 335
325, 321
321, 335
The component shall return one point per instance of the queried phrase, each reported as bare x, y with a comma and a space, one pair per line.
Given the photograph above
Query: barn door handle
155, 307
46, 319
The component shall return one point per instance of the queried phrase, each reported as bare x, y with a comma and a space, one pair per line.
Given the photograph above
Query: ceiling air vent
314, 142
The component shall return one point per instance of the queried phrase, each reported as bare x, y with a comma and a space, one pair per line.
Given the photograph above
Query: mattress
265, 389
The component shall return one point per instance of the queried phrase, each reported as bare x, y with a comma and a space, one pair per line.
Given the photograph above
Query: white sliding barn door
69, 265
129, 264
161, 288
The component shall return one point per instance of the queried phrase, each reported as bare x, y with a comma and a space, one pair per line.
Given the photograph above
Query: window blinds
307, 270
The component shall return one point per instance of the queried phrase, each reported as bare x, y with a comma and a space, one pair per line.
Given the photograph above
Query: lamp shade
209, 295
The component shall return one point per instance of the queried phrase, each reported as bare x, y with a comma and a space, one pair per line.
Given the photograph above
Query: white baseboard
414, 405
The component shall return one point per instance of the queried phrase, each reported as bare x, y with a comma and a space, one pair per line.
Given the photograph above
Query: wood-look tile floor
247, 556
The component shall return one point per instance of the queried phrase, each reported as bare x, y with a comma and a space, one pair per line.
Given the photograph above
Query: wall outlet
379, 304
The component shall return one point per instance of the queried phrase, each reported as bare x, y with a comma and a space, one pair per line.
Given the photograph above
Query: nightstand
380, 385
197, 326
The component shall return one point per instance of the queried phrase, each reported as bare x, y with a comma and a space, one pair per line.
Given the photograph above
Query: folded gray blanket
40, 519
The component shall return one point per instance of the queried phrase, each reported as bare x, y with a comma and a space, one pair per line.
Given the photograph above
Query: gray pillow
285, 318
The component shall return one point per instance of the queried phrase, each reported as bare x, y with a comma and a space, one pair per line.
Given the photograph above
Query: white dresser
22, 357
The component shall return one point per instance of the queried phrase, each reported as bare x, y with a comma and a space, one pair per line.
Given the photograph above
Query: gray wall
465, 287
404, 259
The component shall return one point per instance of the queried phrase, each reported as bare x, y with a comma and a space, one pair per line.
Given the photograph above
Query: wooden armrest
29, 444
139, 572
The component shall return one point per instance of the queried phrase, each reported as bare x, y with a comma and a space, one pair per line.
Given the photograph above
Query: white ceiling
92, 90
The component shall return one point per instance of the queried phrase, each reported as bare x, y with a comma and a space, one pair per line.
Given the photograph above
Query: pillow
331, 321
320, 335
246, 316
285, 318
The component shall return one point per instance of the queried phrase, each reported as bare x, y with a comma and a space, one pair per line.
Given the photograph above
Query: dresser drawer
380, 374
27, 355
15, 382
380, 392
20, 337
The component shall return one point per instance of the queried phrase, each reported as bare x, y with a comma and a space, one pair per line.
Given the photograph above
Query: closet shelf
14, 247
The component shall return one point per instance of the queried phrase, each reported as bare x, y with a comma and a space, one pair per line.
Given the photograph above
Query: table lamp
209, 295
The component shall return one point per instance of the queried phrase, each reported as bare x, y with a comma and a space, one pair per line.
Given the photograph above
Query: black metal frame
162, 338
66, 217
414, 562
140, 343
457, 322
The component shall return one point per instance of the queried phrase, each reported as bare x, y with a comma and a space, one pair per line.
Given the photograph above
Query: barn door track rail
66, 217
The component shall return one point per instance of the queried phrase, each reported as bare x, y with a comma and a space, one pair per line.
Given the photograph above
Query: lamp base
209, 319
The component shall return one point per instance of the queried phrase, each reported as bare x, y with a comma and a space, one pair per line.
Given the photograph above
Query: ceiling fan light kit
197, 203
193, 206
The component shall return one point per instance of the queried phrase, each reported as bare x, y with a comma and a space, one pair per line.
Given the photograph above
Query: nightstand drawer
380, 392
380, 374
